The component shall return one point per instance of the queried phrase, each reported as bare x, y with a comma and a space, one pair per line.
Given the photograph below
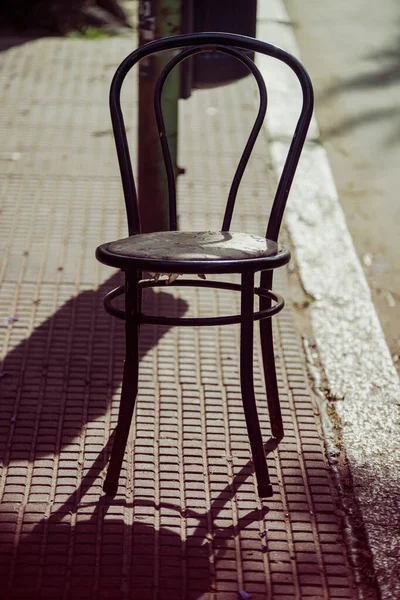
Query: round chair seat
193, 252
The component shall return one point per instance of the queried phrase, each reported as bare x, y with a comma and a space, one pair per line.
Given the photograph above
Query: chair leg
268, 355
247, 385
129, 384
271, 384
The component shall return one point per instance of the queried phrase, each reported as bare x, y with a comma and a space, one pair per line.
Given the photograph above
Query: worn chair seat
193, 252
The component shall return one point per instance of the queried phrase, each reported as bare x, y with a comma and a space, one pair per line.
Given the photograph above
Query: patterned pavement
187, 523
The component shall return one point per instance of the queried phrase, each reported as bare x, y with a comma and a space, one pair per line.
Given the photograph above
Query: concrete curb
350, 341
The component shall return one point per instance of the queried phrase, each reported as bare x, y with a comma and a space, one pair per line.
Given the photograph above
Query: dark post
157, 18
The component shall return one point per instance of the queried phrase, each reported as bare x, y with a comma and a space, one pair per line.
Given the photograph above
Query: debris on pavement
10, 155
389, 299
11, 319
367, 259
171, 277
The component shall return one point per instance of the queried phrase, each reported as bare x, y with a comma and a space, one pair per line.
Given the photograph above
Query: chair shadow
90, 547
271, 445
64, 375
111, 559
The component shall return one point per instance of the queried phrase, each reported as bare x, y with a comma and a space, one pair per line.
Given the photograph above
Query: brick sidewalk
187, 523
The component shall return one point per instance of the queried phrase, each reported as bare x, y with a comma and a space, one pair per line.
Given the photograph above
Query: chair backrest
191, 44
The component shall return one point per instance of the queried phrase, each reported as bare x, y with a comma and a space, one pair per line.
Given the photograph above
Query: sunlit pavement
187, 522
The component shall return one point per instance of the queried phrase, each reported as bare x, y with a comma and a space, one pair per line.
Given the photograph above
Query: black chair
203, 252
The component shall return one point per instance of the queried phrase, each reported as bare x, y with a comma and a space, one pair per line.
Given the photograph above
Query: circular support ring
266, 313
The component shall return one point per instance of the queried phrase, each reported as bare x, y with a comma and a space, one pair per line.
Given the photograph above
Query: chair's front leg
129, 383
268, 355
247, 385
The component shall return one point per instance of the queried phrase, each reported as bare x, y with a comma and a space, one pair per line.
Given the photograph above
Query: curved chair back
191, 44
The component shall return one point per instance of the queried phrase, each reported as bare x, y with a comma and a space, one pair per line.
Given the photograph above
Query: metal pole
157, 18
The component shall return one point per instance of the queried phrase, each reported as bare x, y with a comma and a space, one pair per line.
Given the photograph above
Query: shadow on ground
64, 375
85, 550
24, 20
385, 72
93, 547
9, 39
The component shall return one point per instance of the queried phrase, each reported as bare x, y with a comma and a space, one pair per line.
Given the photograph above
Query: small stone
367, 259
390, 299
11, 319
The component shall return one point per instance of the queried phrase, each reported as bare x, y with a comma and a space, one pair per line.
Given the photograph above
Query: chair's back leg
247, 385
129, 383
271, 384
268, 356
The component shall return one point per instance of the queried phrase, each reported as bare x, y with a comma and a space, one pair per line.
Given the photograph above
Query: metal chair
203, 252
